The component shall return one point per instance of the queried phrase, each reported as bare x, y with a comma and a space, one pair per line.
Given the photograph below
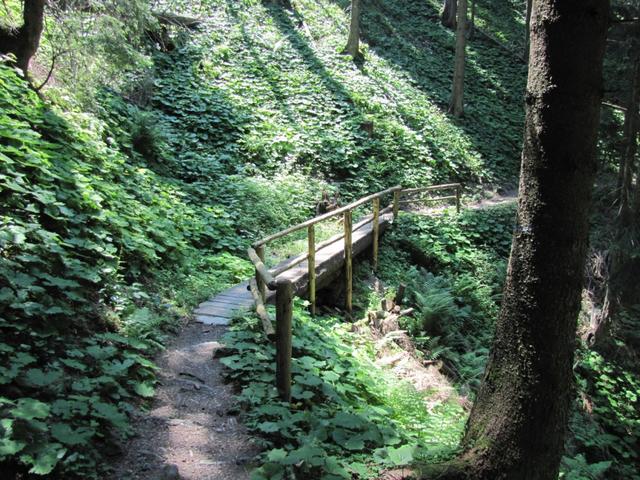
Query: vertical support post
311, 262
376, 231
458, 198
396, 204
347, 260
284, 309
262, 287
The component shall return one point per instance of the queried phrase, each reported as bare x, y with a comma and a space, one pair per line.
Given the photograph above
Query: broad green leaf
144, 389
69, 436
46, 458
402, 455
30, 408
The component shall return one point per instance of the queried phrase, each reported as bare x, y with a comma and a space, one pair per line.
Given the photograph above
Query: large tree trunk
353, 42
517, 425
24, 42
456, 106
449, 13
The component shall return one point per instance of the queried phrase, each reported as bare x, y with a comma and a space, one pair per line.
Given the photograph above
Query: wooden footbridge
320, 265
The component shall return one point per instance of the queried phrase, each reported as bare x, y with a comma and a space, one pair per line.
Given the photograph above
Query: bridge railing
266, 278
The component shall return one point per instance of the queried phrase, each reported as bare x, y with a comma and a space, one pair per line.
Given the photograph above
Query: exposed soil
191, 431
494, 199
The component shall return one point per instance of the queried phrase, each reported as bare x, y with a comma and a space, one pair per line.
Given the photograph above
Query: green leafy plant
344, 407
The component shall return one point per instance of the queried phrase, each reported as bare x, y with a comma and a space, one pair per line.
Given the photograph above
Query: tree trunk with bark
24, 42
517, 425
449, 13
457, 94
353, 42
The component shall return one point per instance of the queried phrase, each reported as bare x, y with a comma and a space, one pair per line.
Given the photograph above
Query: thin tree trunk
636, 202
517, 425
527, 28
472, 23
456, 106
631, 125
449, 13
353, 42
24, 42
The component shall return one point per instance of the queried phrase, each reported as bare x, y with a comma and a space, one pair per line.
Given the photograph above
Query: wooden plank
261, 310
348, 261
209, 320
284, 313
320, 218
458, 195
261, 270
240, 301
376, 231
220, 310
311, 267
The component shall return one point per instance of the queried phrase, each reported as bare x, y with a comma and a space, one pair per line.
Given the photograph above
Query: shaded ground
191, 423
493, 200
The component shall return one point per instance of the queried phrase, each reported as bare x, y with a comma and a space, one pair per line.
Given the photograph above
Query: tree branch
53, 65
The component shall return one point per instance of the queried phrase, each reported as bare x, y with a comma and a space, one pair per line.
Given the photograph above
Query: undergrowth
348, 417
85, 294
453, 267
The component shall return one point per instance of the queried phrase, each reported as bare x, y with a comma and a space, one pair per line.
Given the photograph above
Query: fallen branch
166, 18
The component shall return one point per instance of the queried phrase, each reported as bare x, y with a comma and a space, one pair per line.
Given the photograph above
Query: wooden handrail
327, 215
298, 259
261, 310
265, 275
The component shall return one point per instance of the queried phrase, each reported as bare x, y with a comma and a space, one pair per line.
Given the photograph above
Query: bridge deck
220, 309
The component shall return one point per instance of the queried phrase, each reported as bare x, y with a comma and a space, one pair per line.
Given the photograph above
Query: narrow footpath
191, 431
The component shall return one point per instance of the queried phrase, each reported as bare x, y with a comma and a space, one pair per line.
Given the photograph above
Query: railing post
284, 312
376, 231
458, 198
347, 260
396, 204
262, 287
311, 262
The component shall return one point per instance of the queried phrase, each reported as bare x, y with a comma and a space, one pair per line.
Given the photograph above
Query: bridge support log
311, 261
284, 313
376, 232
348, 266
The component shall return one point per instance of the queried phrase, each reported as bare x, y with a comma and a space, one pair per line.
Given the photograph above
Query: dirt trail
495, 199
190, 426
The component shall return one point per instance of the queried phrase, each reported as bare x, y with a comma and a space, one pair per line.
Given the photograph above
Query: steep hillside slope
264, 89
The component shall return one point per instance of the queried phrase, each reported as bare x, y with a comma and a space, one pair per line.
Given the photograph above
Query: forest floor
191, 430
491, 201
